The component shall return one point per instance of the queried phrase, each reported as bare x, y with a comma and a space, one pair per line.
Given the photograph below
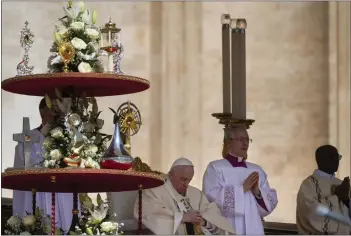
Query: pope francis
177, 208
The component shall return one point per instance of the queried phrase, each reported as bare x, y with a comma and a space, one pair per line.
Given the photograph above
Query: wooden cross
27, 141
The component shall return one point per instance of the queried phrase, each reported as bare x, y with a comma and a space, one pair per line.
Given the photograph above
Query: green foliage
37, 224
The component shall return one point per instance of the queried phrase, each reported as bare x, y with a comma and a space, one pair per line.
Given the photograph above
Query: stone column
171, 96
339, 81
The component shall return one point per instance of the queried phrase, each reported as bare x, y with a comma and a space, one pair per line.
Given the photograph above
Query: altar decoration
37, 224
95, 219
76, 41
74, 147
111, 45
26, 40
73, 138
116, 155
127, 120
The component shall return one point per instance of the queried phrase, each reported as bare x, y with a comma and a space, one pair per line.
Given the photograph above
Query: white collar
323, 174
240, 159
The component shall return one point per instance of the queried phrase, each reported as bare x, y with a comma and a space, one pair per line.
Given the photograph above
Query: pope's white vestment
22, 200
223, 184
163, 208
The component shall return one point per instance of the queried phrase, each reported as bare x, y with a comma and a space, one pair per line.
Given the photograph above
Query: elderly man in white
177, 208
240, 189
22, 200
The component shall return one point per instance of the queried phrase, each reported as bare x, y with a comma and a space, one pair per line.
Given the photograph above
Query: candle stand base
227, 120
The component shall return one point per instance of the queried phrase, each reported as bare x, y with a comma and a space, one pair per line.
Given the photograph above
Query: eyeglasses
241, 140
338, 156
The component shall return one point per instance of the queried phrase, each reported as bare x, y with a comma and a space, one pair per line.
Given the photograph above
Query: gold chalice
66, 52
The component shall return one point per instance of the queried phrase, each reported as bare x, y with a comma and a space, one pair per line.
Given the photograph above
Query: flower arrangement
72, 138
77, 27
95, 219
37, 224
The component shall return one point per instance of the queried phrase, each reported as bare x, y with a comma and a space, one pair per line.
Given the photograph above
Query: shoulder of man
218, 163
255, 167
319, 178
306, 182
35, 132
194, 190
158, 189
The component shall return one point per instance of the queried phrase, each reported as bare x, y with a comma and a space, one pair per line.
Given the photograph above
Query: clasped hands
342, 191
193, 217
251, 183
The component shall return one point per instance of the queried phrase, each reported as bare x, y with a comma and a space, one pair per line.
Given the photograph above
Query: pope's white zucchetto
182, 162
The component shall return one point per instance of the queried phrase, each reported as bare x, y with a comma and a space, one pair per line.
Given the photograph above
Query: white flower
82, 164
55, 154
98, 214
25, 233
46, 163
56, 60
73, 12
92, 148
77, 25
78, 43
61, 30
90, 163
87, 17
47, 142
84, 67
28, 220
14, 221
87, 57
108, 226
56, 132
92, 33
52, 163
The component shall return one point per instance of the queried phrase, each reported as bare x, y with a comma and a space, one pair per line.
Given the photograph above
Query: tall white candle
119, 39
110, 63
101, 40
109, 39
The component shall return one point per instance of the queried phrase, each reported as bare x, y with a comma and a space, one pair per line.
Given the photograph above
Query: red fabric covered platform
78, 180
93, 84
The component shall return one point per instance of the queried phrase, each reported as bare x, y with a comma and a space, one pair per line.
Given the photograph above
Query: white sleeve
229, 198
269, 196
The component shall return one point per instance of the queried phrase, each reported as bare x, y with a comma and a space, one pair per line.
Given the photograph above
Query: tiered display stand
77, 180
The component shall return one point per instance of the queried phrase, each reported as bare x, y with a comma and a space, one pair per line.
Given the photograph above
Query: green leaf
37, 212
57, 231
99, 200
72, 233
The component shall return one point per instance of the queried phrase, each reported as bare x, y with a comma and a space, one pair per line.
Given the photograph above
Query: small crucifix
27, 141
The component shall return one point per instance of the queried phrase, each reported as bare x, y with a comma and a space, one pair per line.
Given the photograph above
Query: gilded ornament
66, 52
